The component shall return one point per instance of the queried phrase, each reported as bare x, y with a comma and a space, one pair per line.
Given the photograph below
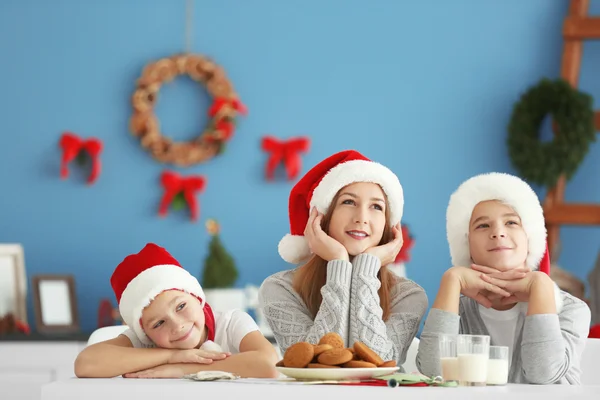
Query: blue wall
424, 87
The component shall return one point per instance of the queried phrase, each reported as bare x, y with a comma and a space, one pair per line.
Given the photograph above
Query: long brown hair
310, 277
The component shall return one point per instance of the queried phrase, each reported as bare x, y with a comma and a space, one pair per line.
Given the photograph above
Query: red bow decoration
225, 126
72, 145
175, 184
105, 314
286, 151
409, 241
221, 102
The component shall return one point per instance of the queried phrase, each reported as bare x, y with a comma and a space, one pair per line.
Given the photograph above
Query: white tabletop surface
161, 389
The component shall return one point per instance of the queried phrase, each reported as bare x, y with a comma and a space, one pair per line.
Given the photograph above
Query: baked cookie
279, 363
366, 354
333, 339
317, 365
387, 364
298, 355
322, 348
335, 357
358, 364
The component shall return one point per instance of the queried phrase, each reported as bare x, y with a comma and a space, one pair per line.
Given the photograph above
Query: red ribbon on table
174, 184
72, 145
286, 151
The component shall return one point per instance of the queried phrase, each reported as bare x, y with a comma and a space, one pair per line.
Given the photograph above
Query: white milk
450, 368
472, 368
497, 373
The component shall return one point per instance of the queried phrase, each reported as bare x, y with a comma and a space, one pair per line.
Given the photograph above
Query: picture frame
55, 304
13, 281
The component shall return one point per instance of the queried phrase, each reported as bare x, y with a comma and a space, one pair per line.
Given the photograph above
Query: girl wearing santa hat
499, 285
172, 330
344, 230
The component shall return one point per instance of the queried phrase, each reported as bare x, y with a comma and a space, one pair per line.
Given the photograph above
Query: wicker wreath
222, 113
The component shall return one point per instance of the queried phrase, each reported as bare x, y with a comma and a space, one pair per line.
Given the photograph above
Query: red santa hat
140, 277
320, 185
511, 191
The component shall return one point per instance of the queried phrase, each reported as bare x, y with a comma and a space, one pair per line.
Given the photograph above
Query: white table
161, 389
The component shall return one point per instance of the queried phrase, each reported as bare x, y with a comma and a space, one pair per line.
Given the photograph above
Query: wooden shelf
579, 28
573, 214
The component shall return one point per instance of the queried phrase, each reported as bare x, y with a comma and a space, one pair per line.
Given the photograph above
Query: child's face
174, 320
496, 237
358, 219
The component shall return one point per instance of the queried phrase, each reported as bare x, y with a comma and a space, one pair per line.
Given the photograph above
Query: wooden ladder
578, 26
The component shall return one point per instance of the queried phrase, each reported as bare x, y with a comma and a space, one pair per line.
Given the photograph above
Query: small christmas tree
219, 267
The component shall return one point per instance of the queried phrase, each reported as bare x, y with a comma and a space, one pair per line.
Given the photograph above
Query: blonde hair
310, 277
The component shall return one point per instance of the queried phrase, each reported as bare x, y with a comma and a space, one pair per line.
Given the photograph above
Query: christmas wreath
573, 115
222, 113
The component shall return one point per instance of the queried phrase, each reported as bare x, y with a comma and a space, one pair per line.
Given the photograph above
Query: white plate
335, 374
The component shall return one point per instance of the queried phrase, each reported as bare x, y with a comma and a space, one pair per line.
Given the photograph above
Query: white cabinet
26, 365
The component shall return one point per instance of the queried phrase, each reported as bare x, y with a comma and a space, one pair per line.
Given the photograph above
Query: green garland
573, 114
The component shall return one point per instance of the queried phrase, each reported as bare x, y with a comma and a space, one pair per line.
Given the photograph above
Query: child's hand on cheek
388, 252
195, 356
321, 243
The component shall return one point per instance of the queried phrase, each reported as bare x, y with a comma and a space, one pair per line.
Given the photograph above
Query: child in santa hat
345, 229
499, 285
172, 330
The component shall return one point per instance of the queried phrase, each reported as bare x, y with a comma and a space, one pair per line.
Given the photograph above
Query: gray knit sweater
547, 347
350, 307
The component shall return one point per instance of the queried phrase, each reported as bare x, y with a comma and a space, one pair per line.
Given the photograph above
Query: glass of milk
497, 373
448, 357
473, 353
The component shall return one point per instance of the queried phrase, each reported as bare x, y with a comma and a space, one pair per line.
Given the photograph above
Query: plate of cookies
330, 360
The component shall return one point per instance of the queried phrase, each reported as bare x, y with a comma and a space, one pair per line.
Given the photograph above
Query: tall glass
497, 373
473, 354
448, 357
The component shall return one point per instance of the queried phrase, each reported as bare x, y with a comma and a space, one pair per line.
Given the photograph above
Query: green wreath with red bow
573, 114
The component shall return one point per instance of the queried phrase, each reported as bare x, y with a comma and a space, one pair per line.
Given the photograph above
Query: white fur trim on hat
354, 171
294, 248
147, 285
506, 188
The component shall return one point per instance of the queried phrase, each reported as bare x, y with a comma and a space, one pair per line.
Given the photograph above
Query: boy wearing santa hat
499, 285
172, 330
344, 230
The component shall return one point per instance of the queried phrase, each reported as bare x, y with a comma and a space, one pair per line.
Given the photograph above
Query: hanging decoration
286, 152
225, 108
222, 114
571, 110
179, 191
108, 315
73, 147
